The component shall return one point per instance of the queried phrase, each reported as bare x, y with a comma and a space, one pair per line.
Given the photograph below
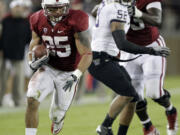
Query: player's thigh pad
154, 73
41, 84
134, 68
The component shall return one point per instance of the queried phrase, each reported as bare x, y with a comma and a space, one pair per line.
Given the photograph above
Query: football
39, 51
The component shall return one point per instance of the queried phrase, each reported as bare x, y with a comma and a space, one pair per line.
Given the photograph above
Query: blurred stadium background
92, 102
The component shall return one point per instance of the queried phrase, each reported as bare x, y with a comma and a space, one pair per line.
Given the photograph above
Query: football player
63, 32
148, 71
109, 37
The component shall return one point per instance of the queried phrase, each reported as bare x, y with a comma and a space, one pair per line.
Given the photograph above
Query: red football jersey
60, 38
141, 33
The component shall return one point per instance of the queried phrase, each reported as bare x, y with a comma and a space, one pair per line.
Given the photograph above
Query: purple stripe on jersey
98, 13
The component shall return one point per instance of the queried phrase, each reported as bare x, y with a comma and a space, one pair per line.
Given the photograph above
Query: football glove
73, 78
134, 11
160, 51
35, 64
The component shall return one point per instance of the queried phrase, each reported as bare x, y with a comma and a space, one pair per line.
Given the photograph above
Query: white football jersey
102, 39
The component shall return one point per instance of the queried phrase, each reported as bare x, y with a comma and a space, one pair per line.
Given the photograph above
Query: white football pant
147, 72
47, 80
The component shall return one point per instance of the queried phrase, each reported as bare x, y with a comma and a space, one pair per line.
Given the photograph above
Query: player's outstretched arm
84, 49
119, 36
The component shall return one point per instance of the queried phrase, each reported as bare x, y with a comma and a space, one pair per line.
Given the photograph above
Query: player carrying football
63, 32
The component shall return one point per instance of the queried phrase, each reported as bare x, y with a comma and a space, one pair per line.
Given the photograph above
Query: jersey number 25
54, 45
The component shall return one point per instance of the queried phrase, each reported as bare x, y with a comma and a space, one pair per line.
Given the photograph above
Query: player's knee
168, 95
152, 87
32, 103
141, 105
164, 100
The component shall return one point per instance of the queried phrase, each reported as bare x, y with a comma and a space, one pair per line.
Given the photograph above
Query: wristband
77, 73
29, 62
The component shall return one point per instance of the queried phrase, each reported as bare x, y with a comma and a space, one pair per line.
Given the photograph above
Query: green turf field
83, 119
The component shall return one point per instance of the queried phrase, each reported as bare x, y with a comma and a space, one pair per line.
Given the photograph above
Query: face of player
55, 11
55, 14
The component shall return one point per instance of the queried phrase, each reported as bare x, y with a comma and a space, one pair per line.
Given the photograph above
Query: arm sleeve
125, 45
82, 21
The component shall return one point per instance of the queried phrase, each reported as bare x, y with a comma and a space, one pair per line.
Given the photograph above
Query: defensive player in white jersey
112, 22
149, 71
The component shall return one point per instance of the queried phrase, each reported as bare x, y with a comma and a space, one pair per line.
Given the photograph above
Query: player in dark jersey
148, 71
63, 32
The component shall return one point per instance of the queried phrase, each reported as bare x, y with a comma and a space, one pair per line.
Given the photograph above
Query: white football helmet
128, 2
55, 10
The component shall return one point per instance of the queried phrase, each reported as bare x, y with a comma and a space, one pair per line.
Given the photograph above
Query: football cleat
56, 127
172, 126
152, 131
101, 130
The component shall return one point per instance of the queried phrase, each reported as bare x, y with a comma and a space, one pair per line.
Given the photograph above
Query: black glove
134, 11
160, 51
73, 78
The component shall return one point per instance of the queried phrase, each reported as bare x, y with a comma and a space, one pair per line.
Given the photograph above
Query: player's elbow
119, 38
89, 59
157, 21
88, 56
121, 45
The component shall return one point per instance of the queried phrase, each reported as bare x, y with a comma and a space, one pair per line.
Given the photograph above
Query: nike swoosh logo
59, 31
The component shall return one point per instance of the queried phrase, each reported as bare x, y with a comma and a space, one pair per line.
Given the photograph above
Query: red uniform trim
163, 67
74, 93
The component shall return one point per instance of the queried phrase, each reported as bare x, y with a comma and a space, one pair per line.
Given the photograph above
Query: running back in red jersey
59, 37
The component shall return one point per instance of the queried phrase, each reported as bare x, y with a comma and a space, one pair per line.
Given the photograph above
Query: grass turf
83, 119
